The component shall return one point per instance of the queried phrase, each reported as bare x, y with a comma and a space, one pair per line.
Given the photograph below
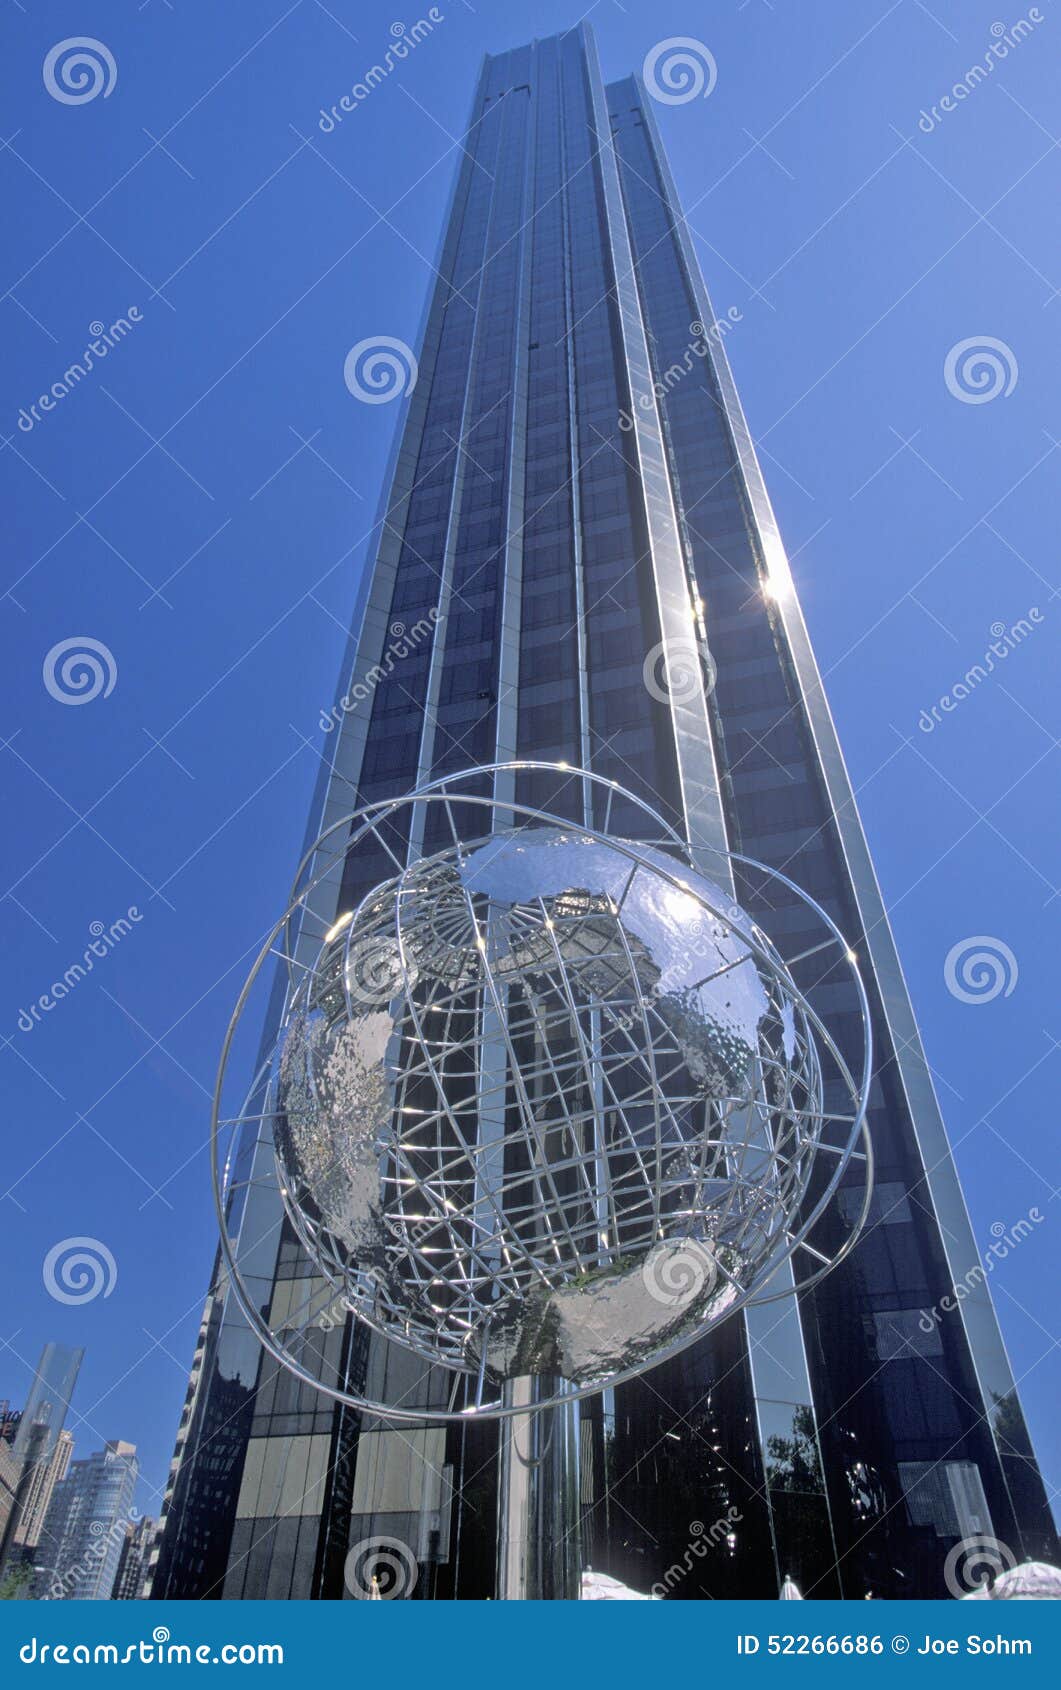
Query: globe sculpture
545, 1102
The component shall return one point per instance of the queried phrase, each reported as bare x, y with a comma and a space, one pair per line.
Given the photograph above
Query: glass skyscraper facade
35, 1454
130, 1580
577, 547
84, 1530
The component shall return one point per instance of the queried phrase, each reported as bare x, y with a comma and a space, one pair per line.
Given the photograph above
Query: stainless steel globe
547, 1101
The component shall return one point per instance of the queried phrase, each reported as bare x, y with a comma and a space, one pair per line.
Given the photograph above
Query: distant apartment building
84, 1532
131, 1581
41, 1479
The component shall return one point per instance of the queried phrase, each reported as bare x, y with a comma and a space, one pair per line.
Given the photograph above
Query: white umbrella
598, 1587
1032, 1581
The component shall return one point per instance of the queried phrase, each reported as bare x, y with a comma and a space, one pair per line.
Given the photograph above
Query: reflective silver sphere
546, 1104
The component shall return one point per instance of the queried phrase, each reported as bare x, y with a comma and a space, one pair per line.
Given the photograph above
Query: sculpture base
539, 1538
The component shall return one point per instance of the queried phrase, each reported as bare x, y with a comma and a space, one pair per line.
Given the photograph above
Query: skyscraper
578, 565
84, 1530
41, 1480
35, 1454
130, 1581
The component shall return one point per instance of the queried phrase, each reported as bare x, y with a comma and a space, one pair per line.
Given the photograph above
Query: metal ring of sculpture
544, 1100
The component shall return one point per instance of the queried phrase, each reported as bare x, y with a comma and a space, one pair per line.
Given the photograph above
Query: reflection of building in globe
647, 1092
548, 1102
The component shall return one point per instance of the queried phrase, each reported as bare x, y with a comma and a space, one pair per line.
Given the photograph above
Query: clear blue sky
199, 505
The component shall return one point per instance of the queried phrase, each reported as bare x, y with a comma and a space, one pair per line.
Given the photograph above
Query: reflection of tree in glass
792, 1463
1010, 1430
1039, 1534
869, 1499
692, 1471
14, 1587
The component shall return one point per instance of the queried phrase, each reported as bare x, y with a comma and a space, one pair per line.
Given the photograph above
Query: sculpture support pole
539, 1539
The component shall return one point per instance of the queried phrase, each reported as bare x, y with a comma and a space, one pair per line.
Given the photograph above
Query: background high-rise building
84, 1531
580, 549
41, 1480
132, 1578
35, 1454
